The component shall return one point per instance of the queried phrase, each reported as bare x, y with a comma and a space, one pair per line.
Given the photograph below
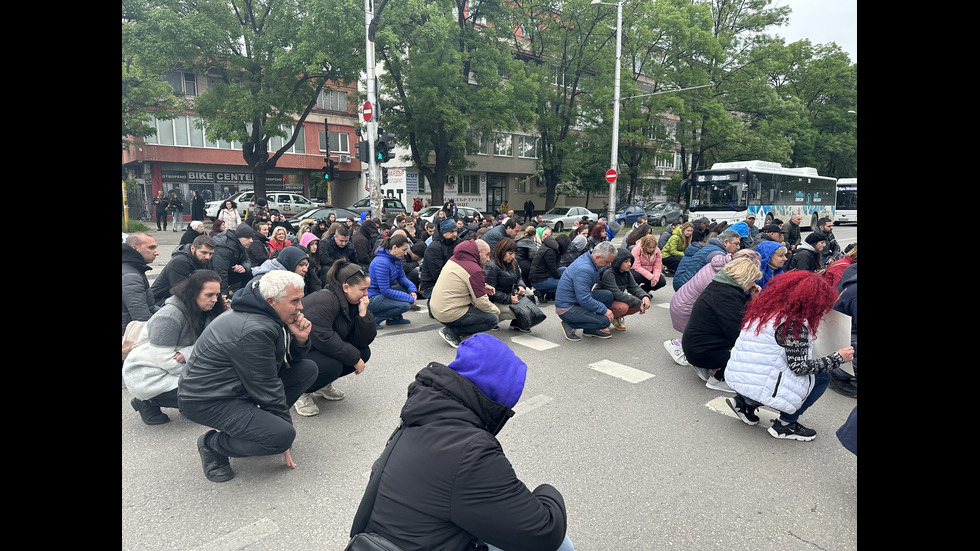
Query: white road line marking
243, 537
533, 342
718, 405
665, 305
620, 371
529, 404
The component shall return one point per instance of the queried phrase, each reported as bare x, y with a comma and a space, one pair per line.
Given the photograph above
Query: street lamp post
614, 155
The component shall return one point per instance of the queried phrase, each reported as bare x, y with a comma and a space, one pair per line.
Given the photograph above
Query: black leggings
331, 368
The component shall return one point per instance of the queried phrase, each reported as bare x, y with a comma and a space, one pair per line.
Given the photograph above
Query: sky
822, 21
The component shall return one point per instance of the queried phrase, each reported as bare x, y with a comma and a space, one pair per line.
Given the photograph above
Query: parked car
559, 218
627, 215
428, 213
390, 208
285, 202
321, 212
662, 214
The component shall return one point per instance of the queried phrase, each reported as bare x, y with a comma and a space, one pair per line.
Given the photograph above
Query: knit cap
289, 257
447, 226
244, 230
492, 366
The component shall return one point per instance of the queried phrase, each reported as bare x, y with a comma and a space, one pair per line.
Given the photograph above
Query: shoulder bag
527, 313
130, 338
361, 540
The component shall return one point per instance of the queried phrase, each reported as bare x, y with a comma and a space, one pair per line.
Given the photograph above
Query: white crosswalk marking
533, 342
528, 404
664, 305
620, 371
245, 536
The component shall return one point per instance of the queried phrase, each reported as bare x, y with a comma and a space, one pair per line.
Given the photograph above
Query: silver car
559, 218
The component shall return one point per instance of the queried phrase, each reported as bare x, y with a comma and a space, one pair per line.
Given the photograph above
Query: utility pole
371, 15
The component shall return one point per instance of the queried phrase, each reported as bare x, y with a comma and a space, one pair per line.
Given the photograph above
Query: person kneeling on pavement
246, 371
447, 483
628, 297
343, 329
460, 299
575, 302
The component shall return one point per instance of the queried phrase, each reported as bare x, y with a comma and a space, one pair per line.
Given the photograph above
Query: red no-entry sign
610, 175
367, 111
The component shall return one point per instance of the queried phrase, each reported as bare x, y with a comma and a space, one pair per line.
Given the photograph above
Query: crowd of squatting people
253, 321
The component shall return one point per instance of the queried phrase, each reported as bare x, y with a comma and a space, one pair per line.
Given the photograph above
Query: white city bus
847, 201
730, 191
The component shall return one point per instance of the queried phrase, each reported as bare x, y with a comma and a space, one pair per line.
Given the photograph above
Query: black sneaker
791, 431
216, 466
569, 332
149, 412
846, 387
744, 411
541, 296
448, 337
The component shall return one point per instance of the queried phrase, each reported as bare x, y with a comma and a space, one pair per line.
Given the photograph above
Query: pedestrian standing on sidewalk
176, 208
771, 363
197, 206
160, 209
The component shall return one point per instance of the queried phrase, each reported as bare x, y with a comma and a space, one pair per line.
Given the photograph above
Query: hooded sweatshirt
460, 285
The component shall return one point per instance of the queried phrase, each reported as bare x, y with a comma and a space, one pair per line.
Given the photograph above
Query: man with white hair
246, 371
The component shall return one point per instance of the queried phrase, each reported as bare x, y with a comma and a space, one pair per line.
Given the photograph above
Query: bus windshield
718, 192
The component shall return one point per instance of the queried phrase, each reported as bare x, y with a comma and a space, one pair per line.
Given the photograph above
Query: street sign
367, 111
610, 175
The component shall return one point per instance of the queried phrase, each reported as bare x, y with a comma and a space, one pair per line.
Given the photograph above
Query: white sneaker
676, 353
306, 406
715, 384
329, 393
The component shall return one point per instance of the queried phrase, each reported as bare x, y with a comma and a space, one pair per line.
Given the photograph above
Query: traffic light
384, 149
329, 170
363, 151
384, 175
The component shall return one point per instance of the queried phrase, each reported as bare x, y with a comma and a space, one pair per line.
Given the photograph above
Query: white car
429, 213
285, 202
559, 218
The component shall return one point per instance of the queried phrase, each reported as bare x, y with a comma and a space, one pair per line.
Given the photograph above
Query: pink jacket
647, 266
683, 300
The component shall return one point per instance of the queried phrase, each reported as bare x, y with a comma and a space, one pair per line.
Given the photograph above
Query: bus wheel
813, 221
769, 219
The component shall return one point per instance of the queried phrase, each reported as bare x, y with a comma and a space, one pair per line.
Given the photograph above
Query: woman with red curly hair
771, 363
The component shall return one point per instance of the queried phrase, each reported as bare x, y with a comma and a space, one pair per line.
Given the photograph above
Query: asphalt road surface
645, 455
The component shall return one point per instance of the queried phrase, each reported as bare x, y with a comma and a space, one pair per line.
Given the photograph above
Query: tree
144, 62
448, 80
564, 45
266, 63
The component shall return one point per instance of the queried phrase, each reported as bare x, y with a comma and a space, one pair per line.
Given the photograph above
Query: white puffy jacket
757, 369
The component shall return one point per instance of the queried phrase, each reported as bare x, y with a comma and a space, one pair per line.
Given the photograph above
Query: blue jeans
578, 317
472, 322
565, 546
549, 285
820, 382
385, 308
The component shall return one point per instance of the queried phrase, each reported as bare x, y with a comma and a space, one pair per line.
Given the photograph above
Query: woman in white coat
159, 357
771, 363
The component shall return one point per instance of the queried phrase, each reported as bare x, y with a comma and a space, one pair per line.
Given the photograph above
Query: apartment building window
481, 145
332, 100
528, 147
184, 130
339, 142
503, 145
181, 82
470, 183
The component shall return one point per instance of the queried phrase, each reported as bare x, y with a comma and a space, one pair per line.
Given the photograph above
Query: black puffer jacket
504, 280
182, 264
436, 255
545, 263
448, 482
228, 251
